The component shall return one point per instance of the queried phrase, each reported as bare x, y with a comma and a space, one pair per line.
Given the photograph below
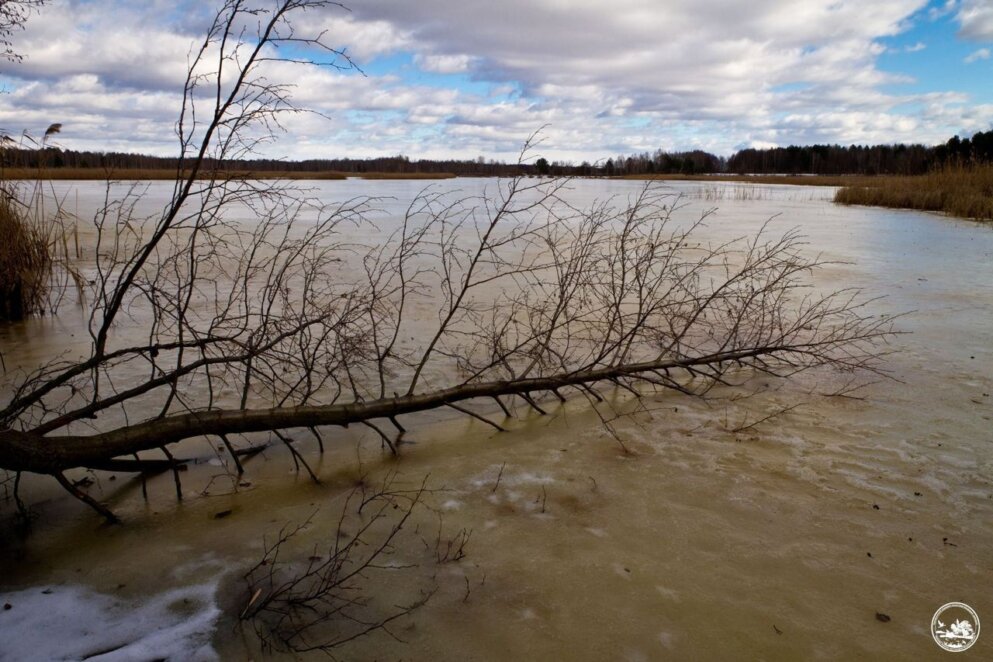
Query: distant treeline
659, 163
864, 160
814, 159
52, 157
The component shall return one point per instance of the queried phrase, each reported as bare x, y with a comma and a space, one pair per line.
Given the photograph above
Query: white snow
76, 623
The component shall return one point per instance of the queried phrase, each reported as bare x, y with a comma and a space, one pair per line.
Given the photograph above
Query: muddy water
674, 538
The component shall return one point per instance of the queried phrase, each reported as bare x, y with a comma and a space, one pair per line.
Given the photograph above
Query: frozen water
76, 623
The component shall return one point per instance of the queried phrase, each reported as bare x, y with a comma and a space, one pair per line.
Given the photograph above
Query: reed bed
791, 180
720, 193
406, 175
39, 250
25, 260
963, 191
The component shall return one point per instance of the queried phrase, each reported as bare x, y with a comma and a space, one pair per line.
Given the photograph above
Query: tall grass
735, 193
39, 251
791, 180
406, 175
959, 190
36, 264
26, 260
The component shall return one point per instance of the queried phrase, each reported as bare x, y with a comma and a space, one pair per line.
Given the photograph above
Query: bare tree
13, 15
203, 325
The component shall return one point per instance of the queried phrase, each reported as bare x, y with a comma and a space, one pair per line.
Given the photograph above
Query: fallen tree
249, 306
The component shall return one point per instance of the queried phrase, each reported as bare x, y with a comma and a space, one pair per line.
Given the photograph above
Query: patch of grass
964, 191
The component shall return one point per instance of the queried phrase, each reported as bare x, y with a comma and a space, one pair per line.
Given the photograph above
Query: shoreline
957, 193
150, 174
165, 174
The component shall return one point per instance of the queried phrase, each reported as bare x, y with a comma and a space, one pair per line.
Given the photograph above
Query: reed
406, 175
959, 190
720, 193
790, 180
25, 259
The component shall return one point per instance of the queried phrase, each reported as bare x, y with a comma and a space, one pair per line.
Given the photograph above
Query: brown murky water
779, 542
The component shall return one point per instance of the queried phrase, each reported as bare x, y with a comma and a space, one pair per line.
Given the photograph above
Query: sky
475, 78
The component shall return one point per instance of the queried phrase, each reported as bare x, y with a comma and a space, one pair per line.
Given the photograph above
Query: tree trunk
24, 451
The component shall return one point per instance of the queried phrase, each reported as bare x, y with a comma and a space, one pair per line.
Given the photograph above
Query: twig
499, 476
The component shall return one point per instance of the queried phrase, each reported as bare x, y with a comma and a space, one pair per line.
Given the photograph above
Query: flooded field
688, 529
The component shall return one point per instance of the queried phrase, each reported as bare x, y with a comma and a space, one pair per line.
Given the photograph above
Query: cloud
934, 13
624, 76
362, 40
975, 56
443, 64
104, 39
687, 63
975, 19
93, 116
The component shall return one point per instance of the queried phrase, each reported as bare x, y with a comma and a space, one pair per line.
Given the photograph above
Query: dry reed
964, 191
406, 175
25, 260
791, 180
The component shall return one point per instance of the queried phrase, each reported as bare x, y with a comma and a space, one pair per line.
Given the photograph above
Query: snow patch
451, 504
76, 623
529, 478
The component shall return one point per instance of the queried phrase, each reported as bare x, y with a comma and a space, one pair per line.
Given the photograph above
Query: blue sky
937, 58
474, 78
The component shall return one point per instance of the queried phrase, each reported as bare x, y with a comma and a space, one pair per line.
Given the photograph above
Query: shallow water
688, 541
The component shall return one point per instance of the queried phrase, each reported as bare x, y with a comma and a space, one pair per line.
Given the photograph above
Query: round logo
955, 626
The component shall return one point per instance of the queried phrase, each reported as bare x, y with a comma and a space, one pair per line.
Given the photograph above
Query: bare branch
252, 306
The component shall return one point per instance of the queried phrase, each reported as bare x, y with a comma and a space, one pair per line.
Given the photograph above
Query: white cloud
975, 56
624, 76
362, 40
443, 64
976, 20
102, 38
687, 62
651, 53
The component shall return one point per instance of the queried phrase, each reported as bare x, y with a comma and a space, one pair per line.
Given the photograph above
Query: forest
898, 159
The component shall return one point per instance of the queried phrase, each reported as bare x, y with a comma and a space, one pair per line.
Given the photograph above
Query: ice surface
76, 623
